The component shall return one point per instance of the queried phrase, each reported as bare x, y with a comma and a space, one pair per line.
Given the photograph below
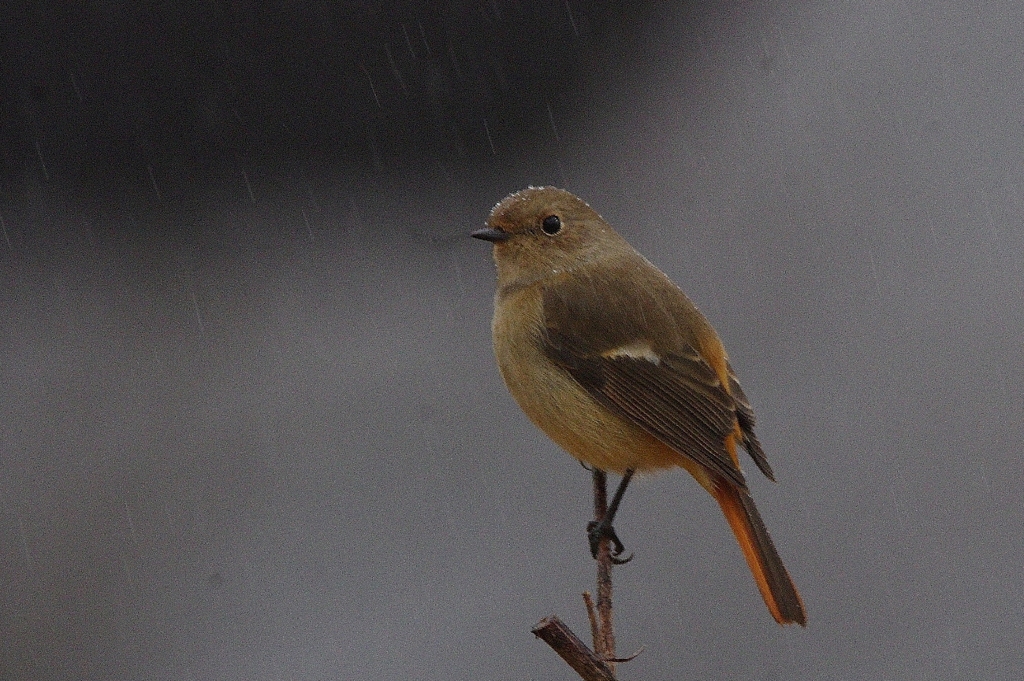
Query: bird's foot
596, 531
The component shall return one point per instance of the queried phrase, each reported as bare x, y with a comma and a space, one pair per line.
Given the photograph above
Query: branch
604, 642
599, 665
570, 648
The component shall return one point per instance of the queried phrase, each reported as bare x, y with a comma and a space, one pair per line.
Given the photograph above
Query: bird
614, 363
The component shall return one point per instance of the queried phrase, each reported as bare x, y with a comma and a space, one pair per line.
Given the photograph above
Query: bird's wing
674, 394
745, 416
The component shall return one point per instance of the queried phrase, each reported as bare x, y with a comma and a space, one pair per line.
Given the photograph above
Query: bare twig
629, 658
570, 648
599, 664
588, 600
604, 643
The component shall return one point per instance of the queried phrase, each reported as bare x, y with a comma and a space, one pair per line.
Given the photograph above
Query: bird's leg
596, 530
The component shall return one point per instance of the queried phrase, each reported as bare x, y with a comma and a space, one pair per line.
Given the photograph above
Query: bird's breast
556, 403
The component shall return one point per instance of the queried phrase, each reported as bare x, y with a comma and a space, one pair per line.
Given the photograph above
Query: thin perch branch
598, 665
604, 644
588, 600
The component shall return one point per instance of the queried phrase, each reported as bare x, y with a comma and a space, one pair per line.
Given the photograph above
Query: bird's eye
552, 225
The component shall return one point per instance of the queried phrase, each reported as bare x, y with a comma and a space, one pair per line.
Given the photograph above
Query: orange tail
772, 579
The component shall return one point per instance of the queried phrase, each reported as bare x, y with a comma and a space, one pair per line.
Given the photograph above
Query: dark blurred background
250, 424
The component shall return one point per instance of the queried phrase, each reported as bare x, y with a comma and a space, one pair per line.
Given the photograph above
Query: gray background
250, 424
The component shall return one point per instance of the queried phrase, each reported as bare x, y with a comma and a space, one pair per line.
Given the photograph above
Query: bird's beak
491, 234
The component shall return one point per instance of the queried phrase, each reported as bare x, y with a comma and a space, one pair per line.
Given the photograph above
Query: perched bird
616, 365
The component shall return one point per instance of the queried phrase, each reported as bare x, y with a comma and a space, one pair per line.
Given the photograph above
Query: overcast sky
251, 425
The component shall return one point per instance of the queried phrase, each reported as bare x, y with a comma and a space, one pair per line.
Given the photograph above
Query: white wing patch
638, 350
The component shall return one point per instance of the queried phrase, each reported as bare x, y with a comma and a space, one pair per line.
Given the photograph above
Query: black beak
491, 234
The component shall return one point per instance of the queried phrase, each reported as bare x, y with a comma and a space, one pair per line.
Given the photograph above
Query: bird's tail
774, 582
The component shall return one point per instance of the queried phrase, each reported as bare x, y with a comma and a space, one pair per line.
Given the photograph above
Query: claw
622, 561
596, 531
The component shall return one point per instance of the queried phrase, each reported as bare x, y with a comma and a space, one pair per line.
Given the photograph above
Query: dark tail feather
777, 589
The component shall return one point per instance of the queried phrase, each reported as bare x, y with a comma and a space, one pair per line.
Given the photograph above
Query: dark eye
551, 225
